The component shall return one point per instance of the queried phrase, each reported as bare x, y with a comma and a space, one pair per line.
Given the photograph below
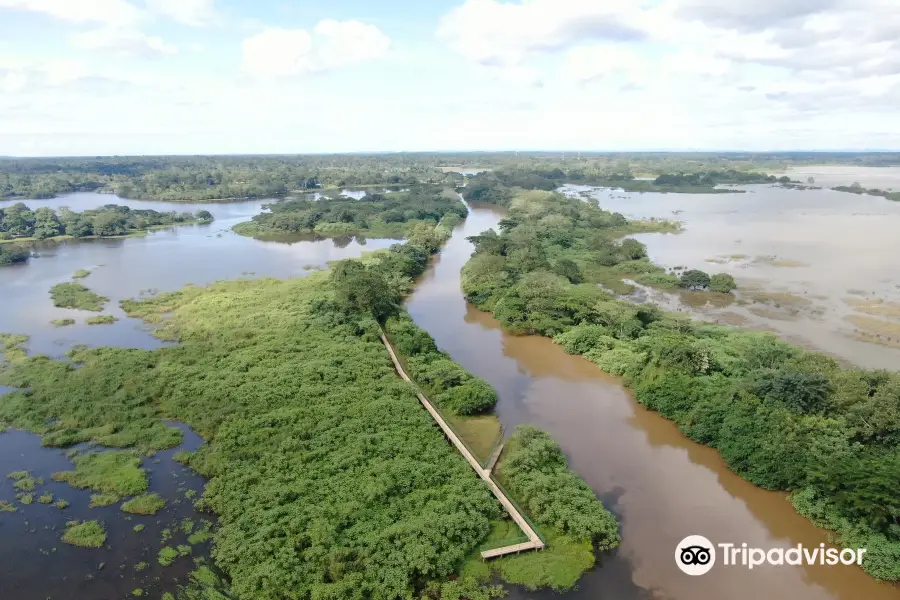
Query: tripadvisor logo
696, 555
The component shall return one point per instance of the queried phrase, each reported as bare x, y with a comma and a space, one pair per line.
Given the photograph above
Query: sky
117, 77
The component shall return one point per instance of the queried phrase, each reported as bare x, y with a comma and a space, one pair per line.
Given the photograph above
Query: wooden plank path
534, 541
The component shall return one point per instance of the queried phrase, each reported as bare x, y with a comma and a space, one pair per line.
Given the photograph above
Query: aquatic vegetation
7, 506
81, 274
167, 555
61, 504
113, 474
13, 253
27, 483
100, 500
781, 417
101, 320
145, 504
139, 528
75, 295
63, 322
45, 498
25, 498
141, 566
87, 534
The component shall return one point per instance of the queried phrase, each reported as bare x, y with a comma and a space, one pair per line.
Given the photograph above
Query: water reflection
660, 485
163, 261
36, 564
797, 256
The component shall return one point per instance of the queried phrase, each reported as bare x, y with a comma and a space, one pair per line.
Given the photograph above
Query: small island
390, 215
18, 223
857, 188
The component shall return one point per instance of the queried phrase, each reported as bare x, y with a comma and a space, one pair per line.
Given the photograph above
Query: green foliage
167, 555
694, 279
45, 498
101, 500
535, 470
87, 534
101, 320
63, 322
145, 504
362, 289
781, 417
62, 504
12, 253
25, 498
138, 528
81, 274
375, 215
111, 220
75, 295
7, 506
116, 474
722, 283
313, 441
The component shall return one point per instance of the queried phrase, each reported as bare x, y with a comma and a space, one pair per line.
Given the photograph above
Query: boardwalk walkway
534, 541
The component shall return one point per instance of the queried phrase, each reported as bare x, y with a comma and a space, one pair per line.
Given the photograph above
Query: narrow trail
534, 540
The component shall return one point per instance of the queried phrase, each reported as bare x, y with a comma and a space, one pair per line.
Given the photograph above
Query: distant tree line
857, 188
19, 221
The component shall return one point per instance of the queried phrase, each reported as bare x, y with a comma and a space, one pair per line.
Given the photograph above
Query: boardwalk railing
535, 541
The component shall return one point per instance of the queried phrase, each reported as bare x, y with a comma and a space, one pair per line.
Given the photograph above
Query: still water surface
661, 485
801, 259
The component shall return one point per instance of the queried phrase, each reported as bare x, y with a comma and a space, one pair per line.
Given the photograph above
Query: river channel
661, 486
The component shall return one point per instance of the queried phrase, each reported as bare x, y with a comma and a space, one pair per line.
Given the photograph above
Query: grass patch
75, 295
145, 504
608, 278
7, 506
25, 498
480, 433
167, 555
45, 498
101, 500
101, 320
61, 504
12, 347
87, 534
63, 322
139, 528
878, 308
81, 274
116, 474
27, 484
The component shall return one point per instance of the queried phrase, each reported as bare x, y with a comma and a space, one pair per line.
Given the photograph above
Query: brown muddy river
661, 485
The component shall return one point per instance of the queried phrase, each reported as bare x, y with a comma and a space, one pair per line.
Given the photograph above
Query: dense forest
328, 478
18, 222
210, 178
196, 179
375, 215
782, 417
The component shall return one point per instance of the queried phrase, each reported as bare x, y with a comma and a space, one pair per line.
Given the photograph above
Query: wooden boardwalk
534, 541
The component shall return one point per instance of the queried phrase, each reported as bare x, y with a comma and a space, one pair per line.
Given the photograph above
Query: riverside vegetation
375, 215
782, 417
328, 478
19, 223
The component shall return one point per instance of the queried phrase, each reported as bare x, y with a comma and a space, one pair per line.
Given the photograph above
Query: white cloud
123, 41
492, 32
587, 63
332, 44
110, 12
196, 13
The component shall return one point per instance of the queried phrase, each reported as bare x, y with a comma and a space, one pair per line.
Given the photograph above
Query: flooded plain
816, 266
661, 486
35, 563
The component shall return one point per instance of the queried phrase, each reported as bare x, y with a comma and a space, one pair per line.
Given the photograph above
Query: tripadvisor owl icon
695, 555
